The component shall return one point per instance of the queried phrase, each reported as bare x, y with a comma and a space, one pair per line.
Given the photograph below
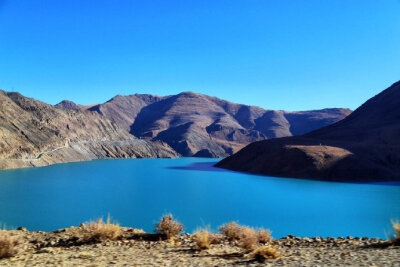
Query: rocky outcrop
198, 125
362, 147
33, 133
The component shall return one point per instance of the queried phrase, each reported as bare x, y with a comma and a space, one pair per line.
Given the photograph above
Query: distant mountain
35, 134
365, 146
200, 125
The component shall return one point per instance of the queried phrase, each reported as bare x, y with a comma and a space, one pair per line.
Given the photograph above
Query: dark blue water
137, 192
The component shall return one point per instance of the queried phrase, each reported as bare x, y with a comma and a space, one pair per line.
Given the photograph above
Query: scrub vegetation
99, 230
9, 244
169, 226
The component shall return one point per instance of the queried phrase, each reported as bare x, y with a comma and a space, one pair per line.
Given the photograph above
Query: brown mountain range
362, 147
200, 125
34, 133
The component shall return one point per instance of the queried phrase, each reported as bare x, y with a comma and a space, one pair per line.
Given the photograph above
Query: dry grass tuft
202, 238
216, 239
100, 231
248, 238
231, 230
264, 236
263, 253
168, 226
9, 244
396, 227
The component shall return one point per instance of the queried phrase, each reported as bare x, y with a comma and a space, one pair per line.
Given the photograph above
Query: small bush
264, 236
262, 253
396, 227
202, 239
216, 238
231, 230
99, 231
248, 238
8, 244
168, 226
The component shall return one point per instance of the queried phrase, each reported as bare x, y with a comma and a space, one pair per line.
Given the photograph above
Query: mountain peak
68, 105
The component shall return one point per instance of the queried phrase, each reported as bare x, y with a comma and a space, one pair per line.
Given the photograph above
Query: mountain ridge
191, 122
139, 125
29, 128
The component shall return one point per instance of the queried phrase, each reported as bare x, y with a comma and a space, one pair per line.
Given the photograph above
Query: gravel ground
64, 248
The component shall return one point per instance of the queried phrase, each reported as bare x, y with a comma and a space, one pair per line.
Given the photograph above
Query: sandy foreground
65, 248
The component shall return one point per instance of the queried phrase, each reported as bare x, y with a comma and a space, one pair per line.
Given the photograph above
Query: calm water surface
137, 192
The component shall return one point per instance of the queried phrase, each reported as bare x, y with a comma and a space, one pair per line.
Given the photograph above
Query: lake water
136, 192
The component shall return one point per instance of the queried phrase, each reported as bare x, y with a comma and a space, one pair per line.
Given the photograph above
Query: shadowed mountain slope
198, 125
362, 147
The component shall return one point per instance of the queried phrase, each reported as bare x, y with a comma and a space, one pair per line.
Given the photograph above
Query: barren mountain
34, 133
31, 131
365, 146
200, 125
123, 109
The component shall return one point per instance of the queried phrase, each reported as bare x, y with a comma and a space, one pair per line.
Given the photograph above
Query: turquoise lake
137, 192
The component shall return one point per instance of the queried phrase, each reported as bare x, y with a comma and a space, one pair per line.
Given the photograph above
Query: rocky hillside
200, 125
362, 147
31, 131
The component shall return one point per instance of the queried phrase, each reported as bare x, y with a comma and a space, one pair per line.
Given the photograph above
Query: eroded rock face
196, 124
30, 129
362, 147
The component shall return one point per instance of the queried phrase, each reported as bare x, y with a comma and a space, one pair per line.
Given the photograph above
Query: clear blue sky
278, 54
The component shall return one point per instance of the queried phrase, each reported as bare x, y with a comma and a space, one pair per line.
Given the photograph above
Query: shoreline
28, 164
64, 247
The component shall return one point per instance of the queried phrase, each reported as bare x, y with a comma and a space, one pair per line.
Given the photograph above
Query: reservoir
137, 192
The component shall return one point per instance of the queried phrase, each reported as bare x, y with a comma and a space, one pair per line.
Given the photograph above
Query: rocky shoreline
66, 247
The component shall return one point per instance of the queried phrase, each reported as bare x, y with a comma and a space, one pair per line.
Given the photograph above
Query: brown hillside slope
362, 147
30, 128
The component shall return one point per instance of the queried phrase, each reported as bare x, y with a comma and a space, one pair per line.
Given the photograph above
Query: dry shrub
216, 238
202, 239
263, 253
168, 226
231, 230
396, 227
9, 244
248, 238
264, 236
99, 231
